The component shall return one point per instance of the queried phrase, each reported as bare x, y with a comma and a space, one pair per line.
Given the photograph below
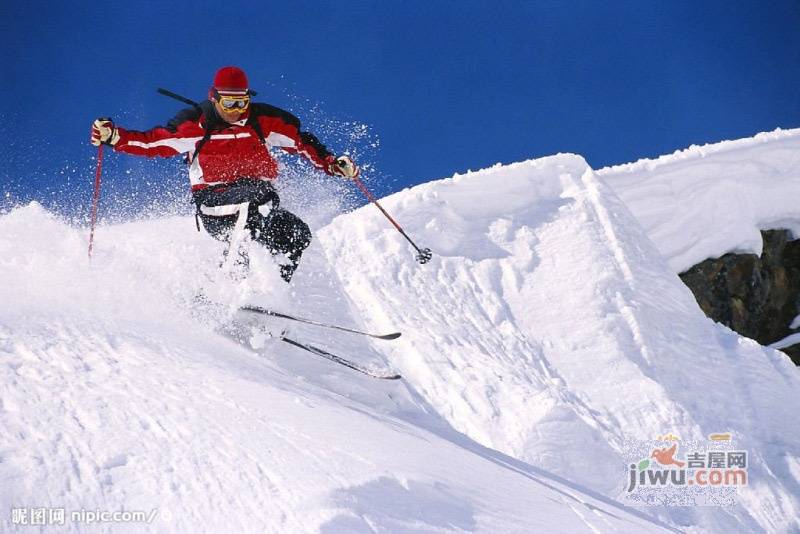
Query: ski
264, 311
338, 359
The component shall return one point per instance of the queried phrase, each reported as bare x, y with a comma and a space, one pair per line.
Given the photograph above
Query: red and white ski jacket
219, 152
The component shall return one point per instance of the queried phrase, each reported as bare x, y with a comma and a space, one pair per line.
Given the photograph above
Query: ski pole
423, 255
96, 196
167, 92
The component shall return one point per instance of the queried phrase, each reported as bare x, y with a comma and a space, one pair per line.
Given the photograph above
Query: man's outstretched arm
286, 133
178, 137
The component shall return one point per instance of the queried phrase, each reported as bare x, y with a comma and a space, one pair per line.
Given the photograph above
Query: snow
788, 341
115, 398
556, 331
708, 200
548, 331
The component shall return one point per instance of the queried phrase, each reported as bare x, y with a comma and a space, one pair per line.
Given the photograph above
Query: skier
227, 142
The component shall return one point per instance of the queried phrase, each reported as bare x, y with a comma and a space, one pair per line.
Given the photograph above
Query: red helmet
231, 80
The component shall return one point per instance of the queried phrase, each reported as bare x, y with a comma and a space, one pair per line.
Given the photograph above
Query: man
227, 142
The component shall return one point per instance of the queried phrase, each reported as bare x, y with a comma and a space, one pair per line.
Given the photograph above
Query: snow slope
113, 397
547, 332
550, 328
708, 200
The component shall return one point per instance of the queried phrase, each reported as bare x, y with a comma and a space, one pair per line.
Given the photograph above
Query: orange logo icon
666, 455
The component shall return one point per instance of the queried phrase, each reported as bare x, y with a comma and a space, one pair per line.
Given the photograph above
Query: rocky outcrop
758, 297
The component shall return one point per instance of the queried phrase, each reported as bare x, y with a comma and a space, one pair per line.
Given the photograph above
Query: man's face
231, 108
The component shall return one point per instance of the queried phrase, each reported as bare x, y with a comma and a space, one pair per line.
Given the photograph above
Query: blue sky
441, 86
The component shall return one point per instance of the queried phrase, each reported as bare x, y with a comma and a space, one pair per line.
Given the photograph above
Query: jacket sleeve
179, 136
285, 133
313, 149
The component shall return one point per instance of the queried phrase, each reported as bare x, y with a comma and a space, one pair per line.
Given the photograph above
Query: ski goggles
234, 103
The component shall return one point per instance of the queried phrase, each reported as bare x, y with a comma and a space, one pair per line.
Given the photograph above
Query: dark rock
757, 297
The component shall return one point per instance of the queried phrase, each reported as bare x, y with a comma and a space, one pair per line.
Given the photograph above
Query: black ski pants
280, 231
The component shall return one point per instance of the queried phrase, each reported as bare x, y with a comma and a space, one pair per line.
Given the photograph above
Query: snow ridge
608, 344
706, 201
